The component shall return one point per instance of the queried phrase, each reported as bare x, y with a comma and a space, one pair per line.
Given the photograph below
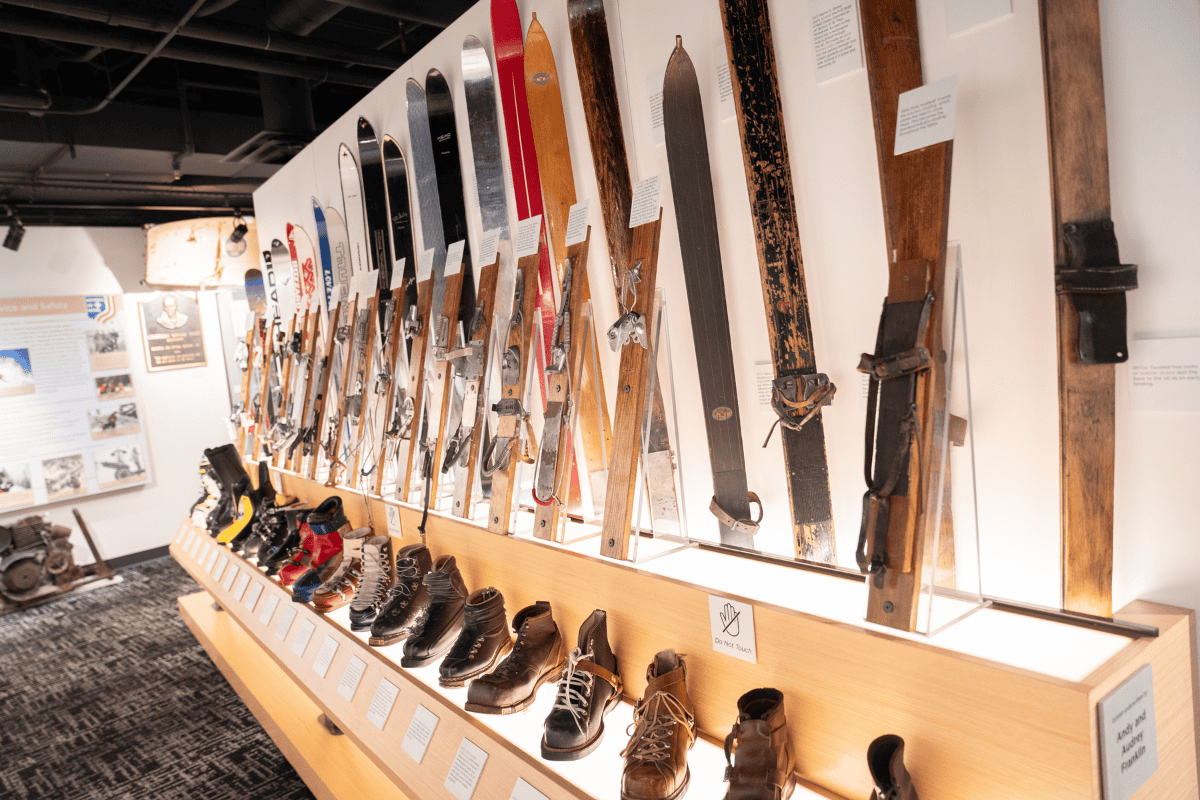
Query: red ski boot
320, 543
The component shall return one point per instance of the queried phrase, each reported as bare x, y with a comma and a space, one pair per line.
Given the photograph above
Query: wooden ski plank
486, 297
1080, 192
520, 336
630, 412
266, 337
364, 388
322, 401
310, 349
247, 376
416, 387
339, 409
443, 376
915, 188
558, 188
395, 342
284, 386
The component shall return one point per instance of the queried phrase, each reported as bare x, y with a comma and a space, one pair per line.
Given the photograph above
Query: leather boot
408, 597
320, 543
885, 759
340, 588
443, 618
590, 687
537, 657
483, 642
664, 729
378, 577
287, 541
758, 751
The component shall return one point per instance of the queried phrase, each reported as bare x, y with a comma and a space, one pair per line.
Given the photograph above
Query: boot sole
414, 663
575, 753
452, 683
552, 674
384, 641
675, 795
323, 609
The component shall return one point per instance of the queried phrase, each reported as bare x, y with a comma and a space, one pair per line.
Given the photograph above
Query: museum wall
182, 410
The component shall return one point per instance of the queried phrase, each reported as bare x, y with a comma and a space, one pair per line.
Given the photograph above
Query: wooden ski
598, 85
799, 389
1091, 283
906, 403
700, 249
558, 187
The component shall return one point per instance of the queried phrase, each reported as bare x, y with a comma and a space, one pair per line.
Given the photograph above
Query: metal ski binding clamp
412, 323
510, 366
441, 331
631, 326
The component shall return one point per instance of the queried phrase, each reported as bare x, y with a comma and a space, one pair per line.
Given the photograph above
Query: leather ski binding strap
747, 526
498, 452
794, 407
1096, 281
613, 679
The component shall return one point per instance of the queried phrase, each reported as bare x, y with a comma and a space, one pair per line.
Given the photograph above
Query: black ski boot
407, 598
590, 687
443, 619
483, 642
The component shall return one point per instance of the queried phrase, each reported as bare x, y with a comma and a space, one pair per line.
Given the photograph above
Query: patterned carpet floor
106, 694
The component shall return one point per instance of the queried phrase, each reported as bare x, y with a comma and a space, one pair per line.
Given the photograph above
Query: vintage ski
799, 390
906, 401
355, 220
1091, 283
374, 193
700, 251
256, 299
522, 157
471, 362
327, 279
558, 187
323, 385
598, 85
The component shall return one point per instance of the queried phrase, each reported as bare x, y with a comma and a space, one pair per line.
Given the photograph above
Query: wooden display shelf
998, 706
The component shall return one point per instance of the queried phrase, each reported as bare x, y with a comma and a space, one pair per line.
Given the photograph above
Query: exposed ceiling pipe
222, 33
78, 34
438, 13
301, 17
25, 99
214, 6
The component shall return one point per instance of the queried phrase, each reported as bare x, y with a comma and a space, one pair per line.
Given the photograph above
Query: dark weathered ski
1091, 283
906, 402
700, 249
799, 389
374, 194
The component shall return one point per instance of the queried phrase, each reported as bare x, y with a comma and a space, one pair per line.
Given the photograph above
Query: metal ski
597, 83
700, 249
1091, 283
326, 281
906, 402
554, 165
799, 390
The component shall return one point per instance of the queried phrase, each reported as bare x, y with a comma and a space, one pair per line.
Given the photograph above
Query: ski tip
678, 41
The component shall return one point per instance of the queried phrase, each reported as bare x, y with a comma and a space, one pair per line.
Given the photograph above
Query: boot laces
575, 688
345, 578
375, 577
653, 729
512, 664
441, 590
406, 575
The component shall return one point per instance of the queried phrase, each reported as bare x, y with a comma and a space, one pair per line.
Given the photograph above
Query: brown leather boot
885, 759
758, 752
664, 729
483, 641
537, 657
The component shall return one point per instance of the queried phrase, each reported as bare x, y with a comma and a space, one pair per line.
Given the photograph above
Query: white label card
524, 791
393, 520
325, 656
764, 377
1164, 375
303, 635
187, 539
397, 274
732, 624
926, 115
454, 257
488, 246
381, 703
179, 534
212, 560
577, 223
425, 266
654, 90
195, 548
836, 48
466, 769
528, 234
1128, 741
231, 573
420, 733
348, 685
285, 621
962, 15
253, 595
239, 590
725, 105
220, 569
645, 206
269, 609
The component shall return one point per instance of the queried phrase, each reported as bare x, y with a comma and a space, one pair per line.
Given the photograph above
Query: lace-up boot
404, 602
758, 752
377, 578
885, 759
340, 588
590, 687
320, 543
537, 657
286, 541
664, 729
442, 619
483, 642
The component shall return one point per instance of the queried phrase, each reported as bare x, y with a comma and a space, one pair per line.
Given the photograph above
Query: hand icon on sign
730, 620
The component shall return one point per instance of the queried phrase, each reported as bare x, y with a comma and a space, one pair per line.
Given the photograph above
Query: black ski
450, 182
379, 247
700, 249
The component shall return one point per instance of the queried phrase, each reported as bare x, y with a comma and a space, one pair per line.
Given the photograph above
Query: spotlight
16, 232
235, 245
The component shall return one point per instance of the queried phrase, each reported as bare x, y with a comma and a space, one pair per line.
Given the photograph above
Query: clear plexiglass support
951, 587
